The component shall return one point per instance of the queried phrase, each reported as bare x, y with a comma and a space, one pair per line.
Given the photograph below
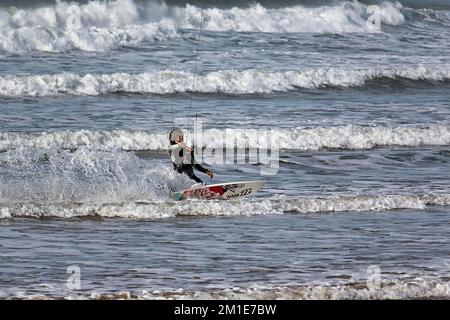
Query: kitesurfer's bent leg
189, 171
195, 178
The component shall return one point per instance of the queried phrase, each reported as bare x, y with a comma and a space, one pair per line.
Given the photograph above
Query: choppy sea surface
358, 208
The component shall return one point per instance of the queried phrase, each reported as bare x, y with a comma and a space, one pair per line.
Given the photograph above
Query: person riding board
182, 157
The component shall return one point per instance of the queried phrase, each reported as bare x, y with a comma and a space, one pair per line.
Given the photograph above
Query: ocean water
359, 206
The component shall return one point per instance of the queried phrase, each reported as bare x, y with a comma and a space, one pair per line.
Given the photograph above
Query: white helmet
175, 134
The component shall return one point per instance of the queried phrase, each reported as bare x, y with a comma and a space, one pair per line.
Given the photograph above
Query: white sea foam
103, 25
101, 140
339, 137
73, 181
252, 81
339, 18
95, 26
168, 209
393, 289
396, 289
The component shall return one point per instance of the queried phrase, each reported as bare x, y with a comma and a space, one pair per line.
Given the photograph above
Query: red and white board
220, 191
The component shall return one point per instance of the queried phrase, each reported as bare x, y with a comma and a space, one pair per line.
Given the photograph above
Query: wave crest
339, 137
340, 18
95, 26
105, 25
252, 81
163, 210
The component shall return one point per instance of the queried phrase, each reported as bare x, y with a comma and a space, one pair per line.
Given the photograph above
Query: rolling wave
343, 17
339, 137
170, 209
100, 25
251, 81
95, 26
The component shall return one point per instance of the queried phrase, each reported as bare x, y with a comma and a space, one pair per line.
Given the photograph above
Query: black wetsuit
188, 168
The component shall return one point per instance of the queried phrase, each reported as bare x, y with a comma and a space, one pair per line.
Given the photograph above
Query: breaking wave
343, 17
170, 209
252, 81
339, 137
105, 25
95, 26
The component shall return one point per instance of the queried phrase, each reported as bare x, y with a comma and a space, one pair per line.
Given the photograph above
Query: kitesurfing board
229, 190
